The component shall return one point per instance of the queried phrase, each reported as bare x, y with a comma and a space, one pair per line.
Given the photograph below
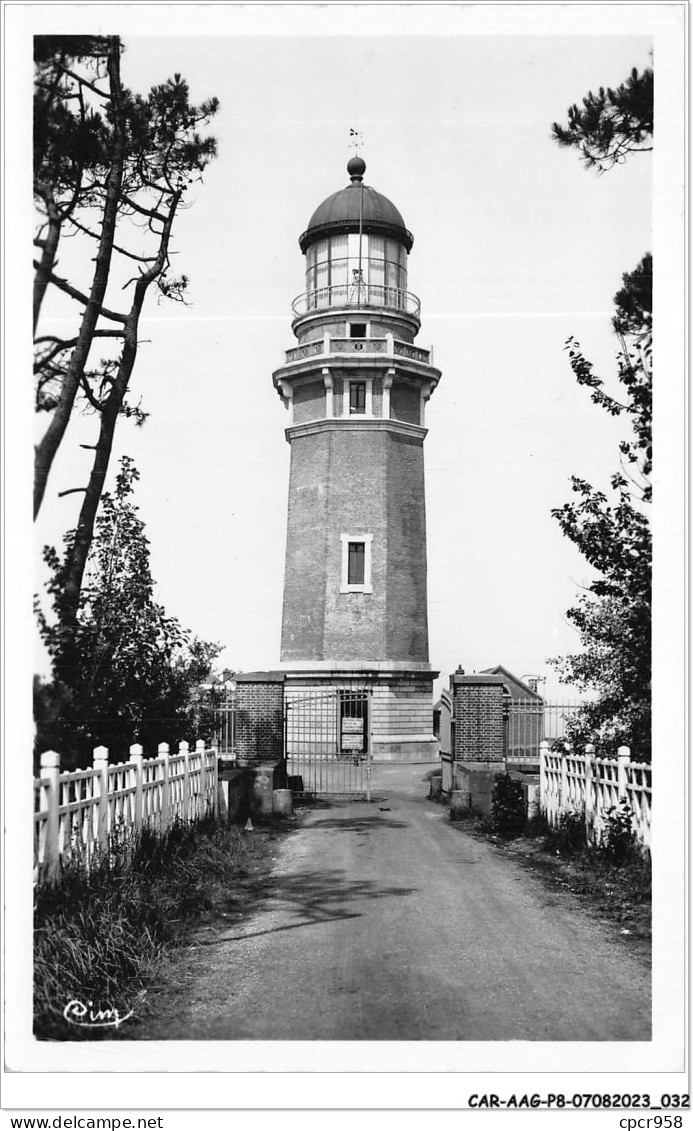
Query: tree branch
63, 285
95, 236
62, 345
84, 82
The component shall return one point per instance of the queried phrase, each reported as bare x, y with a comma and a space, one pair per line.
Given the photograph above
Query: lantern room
356, 247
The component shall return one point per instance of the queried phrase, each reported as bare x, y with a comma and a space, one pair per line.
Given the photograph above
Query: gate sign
352, 735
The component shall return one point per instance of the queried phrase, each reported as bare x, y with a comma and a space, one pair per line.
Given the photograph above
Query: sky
516, 247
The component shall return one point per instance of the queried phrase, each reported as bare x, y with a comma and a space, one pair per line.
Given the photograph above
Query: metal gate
529, 722
524, 722
327, 741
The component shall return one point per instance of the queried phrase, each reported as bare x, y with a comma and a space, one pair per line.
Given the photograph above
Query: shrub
508, 806
572, 833
618, 839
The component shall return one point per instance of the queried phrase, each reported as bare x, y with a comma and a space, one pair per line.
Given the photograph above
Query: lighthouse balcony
328, 346
360, 295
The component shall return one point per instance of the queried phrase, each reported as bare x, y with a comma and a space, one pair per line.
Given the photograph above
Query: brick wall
306, 559
259, 717
358, 483
405, 402
309, 401
478, 718
357, 504
406, 627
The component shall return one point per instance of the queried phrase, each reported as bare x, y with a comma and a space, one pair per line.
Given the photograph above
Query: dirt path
383, 922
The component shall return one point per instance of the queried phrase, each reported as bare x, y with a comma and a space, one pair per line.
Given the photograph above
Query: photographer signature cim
78, 1013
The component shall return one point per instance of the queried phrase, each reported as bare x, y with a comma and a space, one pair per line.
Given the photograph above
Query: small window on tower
357, 396
356, 571
356, 563
357, 330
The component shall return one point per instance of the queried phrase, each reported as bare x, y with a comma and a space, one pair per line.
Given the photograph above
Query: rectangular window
356, 563
357, 396
357, 330
356, 569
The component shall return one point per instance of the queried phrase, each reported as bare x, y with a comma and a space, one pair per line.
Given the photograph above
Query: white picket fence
84, 813
589, 786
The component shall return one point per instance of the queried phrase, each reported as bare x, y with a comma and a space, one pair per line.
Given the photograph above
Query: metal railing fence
531, 721
356, 294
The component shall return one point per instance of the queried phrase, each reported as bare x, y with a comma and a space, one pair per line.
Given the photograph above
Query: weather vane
356, 139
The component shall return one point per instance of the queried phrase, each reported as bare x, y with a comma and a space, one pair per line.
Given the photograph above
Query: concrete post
202, 800
215, 787
543, 777
563, 790
282, 802
533, 800
623, 755
589, 798
137, 758
50, 802
460, 802
101, 782
184, 751
164, 753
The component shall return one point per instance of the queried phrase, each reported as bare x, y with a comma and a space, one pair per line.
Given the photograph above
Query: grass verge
102, 936
616, 892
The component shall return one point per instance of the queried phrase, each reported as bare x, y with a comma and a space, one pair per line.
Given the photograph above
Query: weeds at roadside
613, 878
101, 935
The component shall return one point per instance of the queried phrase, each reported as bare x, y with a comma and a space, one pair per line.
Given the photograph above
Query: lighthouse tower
356, 387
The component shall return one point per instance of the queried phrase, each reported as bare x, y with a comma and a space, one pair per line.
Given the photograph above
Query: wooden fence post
50, 801
163, 753
136, 757
101, 780
590, 751
184, 751
623, 764
201, 809
543, 778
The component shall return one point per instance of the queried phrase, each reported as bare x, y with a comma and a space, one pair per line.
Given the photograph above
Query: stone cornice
309, 366
379, 669
353, 424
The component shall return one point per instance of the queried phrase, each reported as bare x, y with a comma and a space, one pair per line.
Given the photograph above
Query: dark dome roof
340, 212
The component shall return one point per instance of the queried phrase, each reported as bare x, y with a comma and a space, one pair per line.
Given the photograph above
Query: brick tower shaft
356, 387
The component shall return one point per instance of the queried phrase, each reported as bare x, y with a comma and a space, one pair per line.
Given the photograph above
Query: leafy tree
113, 167
126, 671
612, 532
611, 124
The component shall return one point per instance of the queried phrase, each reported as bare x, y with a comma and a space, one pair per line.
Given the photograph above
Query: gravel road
384, 922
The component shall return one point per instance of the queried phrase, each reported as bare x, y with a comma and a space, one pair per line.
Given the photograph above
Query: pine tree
611, 124
113, 168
